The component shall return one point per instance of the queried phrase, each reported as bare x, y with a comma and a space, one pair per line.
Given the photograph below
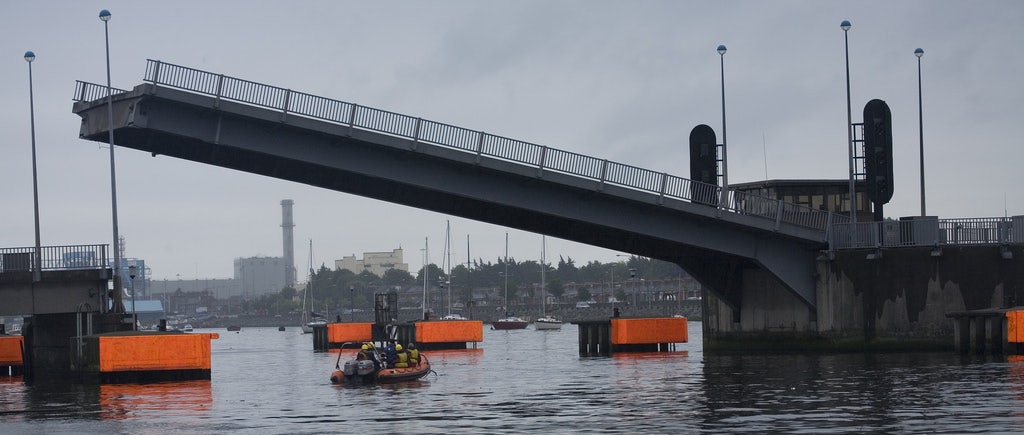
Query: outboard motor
351, 367
365, 367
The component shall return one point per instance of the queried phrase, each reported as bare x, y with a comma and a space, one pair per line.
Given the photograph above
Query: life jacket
414, 356
403, 360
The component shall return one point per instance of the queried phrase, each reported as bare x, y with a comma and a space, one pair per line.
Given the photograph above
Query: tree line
334, 290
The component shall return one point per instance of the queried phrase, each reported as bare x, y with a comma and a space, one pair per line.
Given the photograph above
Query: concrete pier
604, 337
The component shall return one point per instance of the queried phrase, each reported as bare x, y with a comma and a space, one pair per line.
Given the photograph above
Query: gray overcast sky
624, 81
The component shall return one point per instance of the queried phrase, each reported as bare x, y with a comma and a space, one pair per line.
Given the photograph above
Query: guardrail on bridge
928, 231
67, 257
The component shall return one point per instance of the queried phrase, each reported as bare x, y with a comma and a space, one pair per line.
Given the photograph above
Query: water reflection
119, 401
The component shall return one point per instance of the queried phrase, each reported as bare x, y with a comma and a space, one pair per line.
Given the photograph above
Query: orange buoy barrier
10, 353
338, 333
450, 331
649, 330
1015, 326
155, 352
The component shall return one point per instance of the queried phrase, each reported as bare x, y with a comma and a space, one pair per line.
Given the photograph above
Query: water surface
268, 381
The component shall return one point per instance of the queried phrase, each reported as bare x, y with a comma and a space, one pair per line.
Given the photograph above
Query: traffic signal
878, 151
704, 165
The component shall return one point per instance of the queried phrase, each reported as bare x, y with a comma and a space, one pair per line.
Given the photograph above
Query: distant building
220, 288
261, 275
374, 262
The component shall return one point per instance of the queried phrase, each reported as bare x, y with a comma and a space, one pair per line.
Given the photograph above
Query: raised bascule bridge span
233, 123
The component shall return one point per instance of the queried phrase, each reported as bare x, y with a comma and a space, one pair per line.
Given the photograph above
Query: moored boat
510, 322
547, 323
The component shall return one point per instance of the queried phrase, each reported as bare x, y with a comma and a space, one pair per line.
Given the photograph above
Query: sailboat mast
506, 273
543, 265
448, 263
426, 259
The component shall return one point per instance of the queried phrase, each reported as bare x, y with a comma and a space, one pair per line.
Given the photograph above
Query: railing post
156, 73
778, 216
540, 165
287, 100
604, 173
828, 228
479, 146
220, 87
664, 184
416, 134
352, 119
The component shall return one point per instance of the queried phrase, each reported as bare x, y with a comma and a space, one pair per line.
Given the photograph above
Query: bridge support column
49, 341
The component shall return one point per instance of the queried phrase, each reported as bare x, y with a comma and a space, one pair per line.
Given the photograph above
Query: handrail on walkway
482, 144
928, 232
68, 257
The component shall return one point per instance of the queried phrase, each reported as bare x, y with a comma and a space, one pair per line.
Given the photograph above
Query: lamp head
721, 50
104, 15
30, 56
845, 25
918, 52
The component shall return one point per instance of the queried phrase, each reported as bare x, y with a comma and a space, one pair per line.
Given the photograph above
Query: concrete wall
898, 301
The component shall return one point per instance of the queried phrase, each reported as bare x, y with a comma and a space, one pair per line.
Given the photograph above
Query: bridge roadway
232, 123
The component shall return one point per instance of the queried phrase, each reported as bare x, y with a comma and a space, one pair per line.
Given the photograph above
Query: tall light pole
725, 167
135, 309
352, 304
920, 122
845, 25
37, 263
118, 305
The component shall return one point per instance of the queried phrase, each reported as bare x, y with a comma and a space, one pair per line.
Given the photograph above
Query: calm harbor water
267, 381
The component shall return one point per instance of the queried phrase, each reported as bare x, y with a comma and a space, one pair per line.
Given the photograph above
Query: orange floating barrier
649, 330
450, 331
155, 352
1015, 326
338, 333
10, 350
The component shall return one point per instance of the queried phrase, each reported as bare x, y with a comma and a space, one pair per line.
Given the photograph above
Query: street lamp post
845, 25
118, 304
920, 122
37, 263
725, 167
352, 303
135, 309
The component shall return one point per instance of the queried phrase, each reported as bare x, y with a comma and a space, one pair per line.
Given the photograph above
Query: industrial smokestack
289, 241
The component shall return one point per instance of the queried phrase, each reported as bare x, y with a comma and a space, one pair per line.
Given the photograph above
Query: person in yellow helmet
414, 355
364, 352
403, 357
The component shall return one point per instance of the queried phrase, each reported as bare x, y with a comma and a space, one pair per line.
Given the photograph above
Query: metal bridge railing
928, 232
67, 257
85, 91
419, 130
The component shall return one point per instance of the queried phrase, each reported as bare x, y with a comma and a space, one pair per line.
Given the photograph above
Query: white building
374, 262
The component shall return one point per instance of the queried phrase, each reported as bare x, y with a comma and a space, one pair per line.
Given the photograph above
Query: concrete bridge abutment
890, 300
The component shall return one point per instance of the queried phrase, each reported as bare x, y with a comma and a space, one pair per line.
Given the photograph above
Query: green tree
583, 294
555, 288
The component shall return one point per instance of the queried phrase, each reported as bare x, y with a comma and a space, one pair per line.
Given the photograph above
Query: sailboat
446, 262
509, 321
309, 318
545, 322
